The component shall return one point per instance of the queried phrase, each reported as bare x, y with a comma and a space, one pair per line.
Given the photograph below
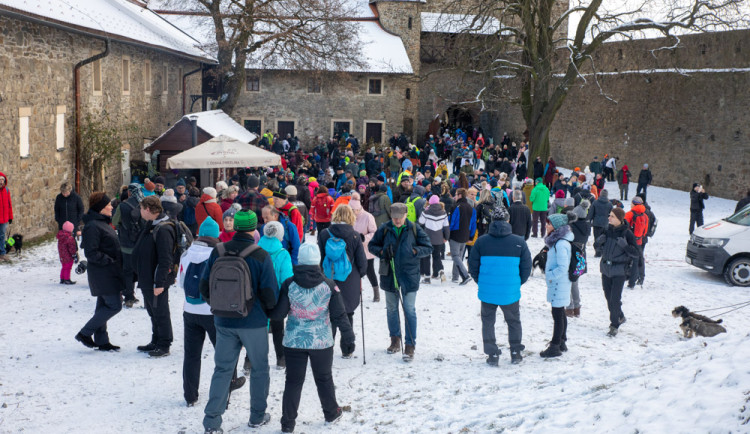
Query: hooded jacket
322, 207
435, 222
66, 246
6, 206
311, 303
599, 214
102, 250
282, 261
208, 207
618, 248
539, 198
558, 261
355, 250
500, 262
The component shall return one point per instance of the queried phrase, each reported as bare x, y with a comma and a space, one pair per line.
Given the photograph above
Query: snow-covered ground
648, 379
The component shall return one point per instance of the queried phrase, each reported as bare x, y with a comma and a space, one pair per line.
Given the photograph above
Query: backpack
183, 238
336, 264
639, 227
652, 223
230, 283
578, 265
375, 208
411, 210
192, 280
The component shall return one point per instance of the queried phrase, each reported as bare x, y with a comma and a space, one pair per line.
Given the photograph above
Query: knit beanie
291, 190
168, 196
309, 254
582, 210
209, 228
274, 229
569, 202
150, 186
637, 200
619, 213
559, 194
245, 221
181, 182
231, 211
559, 220
604, 194
210, 191
68, 227
434, 199
500, 214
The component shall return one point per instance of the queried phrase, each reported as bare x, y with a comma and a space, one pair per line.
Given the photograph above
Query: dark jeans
638, 270
512, 317
641, 191
372, 276
624, 191
613, 293
277, 332
161, 322
559, 332
322, 225
107, 306
539, 217
129, 273
321, 362
438, 251
196, 329
696, 217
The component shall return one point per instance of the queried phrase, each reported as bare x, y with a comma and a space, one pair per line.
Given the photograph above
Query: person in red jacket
208, 207
282, 204
6, 213
637, 219
322, 208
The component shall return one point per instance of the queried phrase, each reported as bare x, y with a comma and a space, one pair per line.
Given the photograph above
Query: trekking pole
362, 311
401, 301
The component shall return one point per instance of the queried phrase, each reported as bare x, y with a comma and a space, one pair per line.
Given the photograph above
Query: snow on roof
118, 18
216, 123
435, 22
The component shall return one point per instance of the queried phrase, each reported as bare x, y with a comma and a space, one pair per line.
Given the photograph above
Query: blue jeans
3, 228
229, 342
410, 314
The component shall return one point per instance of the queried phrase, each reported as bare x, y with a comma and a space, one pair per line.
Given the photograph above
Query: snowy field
646, 380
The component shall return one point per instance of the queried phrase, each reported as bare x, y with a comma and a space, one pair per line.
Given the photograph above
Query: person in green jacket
539, 205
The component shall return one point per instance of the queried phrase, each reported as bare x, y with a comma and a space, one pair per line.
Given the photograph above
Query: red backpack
639, 226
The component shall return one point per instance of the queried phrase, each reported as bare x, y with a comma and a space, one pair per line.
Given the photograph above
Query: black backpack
652, 222
183, 238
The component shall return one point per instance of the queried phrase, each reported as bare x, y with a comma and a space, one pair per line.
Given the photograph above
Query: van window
742, 217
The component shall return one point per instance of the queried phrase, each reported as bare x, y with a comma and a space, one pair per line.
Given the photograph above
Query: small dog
17, 244
682, 311
692, 326
540, 260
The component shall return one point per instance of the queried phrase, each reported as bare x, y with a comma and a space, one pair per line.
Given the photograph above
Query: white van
723, 247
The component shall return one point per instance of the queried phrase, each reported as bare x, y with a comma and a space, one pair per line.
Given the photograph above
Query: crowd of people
286, 249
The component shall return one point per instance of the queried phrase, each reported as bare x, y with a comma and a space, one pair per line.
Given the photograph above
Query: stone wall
689, 127
36, 63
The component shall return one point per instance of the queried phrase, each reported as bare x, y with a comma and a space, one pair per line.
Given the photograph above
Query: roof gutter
77, 87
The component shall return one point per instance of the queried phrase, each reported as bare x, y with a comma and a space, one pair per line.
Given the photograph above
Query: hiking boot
159, 352
237, 383
623, 319
85, 340
454, 279
577, 312
281, 362
213, 431
409, 353
108, 347
465, 281
493, 359
563, 346
68, 282
312, 232
551, 351
612, 332
395, 345
129, 303
146, 348
191, 403
62, 281
515, 357
375, 294
264, 421
339, 414
426, 280
441, 274
570, 313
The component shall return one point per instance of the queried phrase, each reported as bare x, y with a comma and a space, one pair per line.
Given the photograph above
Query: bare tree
531, 43
312, 35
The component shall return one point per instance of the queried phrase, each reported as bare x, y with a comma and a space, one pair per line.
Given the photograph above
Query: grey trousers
512, 316
457, 254
575, 296
229, 342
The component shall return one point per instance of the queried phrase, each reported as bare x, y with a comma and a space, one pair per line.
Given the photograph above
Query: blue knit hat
209, 228
558, 220
309, 254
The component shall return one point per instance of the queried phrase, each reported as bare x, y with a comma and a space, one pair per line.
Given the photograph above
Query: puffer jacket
539, 198
599, 213
312, 303
66, 246
365, 225
68, 209
618, 248
355, 251
558, 262
382, 204
322, 207
435, 222
6, 206
408, 244
209, 207
500, 262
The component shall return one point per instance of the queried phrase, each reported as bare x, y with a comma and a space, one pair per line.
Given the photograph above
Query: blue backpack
192, 280
336, 264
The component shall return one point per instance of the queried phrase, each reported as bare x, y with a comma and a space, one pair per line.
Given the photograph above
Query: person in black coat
153, 263
68, 207
644, 180
697, 196
520, 216
618, 249
538, 168
342, 227
599, 214
102, 250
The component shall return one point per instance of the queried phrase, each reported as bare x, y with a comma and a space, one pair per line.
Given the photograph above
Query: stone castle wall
36, 63
688, 128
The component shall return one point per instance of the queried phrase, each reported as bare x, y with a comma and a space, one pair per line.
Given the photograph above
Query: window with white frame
24, 114
147, 77
60, 128
126, 75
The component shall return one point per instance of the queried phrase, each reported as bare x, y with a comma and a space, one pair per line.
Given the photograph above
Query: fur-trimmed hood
563, 232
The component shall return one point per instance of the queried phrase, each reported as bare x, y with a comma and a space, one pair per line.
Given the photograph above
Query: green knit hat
245, 221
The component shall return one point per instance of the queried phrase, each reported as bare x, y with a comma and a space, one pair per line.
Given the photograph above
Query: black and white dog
540, 260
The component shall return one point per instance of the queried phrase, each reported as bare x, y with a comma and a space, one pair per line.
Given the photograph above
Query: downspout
77, 85
184, 85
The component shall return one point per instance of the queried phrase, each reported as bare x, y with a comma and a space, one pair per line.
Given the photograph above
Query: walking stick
362, 311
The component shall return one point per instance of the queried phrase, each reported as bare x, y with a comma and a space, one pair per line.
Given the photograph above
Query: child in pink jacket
68, 250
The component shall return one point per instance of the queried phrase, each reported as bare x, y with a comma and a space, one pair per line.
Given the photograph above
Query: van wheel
738, 272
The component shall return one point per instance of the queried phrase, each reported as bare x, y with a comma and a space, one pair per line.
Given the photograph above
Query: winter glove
622, 243
347, 348
10, 222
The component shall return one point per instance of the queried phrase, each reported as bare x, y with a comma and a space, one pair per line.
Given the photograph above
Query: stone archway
460, 117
